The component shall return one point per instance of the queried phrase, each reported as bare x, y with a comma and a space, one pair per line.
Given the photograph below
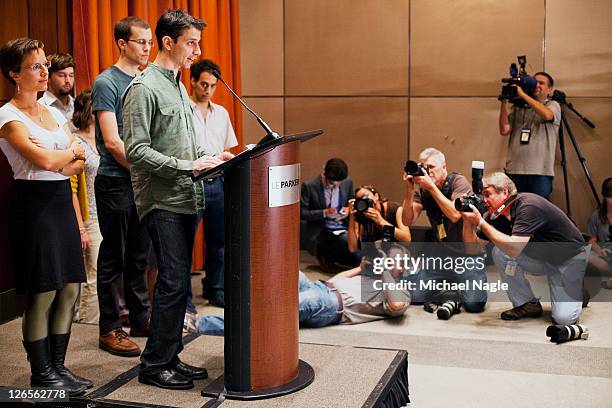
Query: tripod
559, 96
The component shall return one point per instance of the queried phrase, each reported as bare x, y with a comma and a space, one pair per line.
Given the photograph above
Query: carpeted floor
471, 360
479, 360
344, 375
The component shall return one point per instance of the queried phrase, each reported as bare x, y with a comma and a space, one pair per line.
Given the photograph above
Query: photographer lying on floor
350, 297
531, 235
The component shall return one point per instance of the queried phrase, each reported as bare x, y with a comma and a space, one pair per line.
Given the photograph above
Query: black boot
58, 345
43, 374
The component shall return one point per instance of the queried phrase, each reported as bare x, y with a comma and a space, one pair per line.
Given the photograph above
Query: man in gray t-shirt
125, 243
533, 128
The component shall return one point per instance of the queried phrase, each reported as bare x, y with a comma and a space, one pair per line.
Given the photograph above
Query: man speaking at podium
161, 146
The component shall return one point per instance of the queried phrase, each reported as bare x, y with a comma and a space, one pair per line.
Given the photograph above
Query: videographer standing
555, 249
533, 128
438, 191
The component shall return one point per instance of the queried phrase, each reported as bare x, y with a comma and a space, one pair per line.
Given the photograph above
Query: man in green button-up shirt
160, 145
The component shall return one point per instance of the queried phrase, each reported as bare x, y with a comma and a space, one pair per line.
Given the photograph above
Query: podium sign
283, 185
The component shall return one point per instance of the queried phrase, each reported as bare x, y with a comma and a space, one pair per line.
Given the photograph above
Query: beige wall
387, 78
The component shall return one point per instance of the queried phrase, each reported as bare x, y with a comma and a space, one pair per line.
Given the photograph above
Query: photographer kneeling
372, 218
531, 234
438, 191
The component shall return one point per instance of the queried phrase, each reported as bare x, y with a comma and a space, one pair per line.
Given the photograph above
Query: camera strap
435, 215
508, 202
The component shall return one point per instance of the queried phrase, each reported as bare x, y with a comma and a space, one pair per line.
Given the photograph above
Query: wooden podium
262, 222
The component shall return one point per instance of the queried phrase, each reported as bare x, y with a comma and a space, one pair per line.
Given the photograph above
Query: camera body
413, 168
520, 78
463, 204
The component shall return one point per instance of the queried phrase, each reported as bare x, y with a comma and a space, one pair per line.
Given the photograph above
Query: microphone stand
270, 134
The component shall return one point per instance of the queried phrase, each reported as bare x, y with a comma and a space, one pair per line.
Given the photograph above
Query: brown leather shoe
140, 331
529, 309
118, 343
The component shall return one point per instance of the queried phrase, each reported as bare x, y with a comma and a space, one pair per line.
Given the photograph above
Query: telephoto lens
560, 333
448, 309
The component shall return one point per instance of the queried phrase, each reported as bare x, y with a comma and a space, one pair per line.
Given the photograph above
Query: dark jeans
533, 183
172, 237
214, 236
123, 252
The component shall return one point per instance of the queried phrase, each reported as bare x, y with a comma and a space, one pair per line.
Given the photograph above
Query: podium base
304, 379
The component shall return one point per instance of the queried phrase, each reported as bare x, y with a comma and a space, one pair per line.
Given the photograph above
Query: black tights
49, 312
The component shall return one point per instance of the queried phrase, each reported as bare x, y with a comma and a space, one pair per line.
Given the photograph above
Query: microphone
270, 134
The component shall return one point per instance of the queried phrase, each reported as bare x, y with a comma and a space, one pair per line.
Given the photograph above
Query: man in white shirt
215, 134
61, 85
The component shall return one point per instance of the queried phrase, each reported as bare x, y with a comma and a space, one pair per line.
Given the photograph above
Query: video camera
463, 204
519, 78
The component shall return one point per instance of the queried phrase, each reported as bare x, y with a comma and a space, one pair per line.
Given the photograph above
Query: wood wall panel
42, 18
368, 133
14, 25
578, 50
271, 110
261, 47
464, 129
464, 48
456, 49
346, 47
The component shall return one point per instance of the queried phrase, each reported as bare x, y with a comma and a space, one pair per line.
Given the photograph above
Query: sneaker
189, 323
117, 342
529, 309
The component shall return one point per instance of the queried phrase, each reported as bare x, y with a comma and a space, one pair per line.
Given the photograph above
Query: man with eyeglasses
125, 246
61, 85
438, 191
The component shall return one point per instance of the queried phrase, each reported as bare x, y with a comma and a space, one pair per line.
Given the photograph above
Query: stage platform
345, 376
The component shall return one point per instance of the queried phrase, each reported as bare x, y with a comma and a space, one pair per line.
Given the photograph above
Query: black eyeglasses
142, 42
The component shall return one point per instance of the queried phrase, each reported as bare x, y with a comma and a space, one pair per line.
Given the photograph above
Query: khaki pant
89, 311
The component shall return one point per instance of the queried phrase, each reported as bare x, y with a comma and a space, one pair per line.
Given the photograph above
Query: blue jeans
211, 325
533, 183
318, 305
172, 237
474, 300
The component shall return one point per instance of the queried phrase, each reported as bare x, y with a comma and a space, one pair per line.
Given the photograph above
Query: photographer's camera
413, 168
463, 204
